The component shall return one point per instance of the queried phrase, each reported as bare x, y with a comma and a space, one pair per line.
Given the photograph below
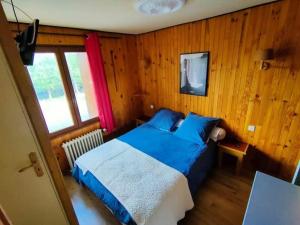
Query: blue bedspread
191, 159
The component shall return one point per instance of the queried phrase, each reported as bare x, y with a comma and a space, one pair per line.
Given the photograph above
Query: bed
173, 162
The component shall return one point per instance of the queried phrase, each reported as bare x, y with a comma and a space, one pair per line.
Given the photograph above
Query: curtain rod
76, 35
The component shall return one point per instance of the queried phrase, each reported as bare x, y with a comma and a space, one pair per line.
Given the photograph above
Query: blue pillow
165, 119
196, 128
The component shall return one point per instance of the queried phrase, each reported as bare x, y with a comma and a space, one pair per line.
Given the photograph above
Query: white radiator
80, 145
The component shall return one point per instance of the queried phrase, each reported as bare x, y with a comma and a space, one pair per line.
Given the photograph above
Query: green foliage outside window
46, 78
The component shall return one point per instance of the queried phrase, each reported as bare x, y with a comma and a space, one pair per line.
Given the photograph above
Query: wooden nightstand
140, 120
238, 149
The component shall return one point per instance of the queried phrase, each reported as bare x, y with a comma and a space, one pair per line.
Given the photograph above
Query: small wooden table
140, 120
238, 150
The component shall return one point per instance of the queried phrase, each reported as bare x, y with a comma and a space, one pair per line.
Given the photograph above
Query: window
62, 82
82, 84
49, 88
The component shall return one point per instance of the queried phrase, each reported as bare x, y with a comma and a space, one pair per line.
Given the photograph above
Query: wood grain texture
120, 61
238, 91
52, 35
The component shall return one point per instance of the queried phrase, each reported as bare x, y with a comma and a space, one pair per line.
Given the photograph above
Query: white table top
273, 202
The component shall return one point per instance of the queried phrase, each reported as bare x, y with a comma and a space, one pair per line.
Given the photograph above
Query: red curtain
92, 46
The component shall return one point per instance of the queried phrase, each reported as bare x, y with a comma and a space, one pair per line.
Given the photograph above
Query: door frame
27, 93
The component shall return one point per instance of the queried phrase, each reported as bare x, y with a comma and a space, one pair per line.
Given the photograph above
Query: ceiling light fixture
157, 7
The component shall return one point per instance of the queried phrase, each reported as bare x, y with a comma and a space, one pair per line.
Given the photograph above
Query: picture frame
194, 73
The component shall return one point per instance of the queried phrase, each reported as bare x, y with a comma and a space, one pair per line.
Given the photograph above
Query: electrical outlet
251, 128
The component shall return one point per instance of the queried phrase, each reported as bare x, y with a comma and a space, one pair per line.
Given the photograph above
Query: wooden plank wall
120, 56
238, 91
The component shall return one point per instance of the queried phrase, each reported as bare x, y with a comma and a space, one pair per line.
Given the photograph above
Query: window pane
82, 84
48, 86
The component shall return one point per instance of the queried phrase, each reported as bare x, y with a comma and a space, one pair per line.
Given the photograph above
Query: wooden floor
221, 200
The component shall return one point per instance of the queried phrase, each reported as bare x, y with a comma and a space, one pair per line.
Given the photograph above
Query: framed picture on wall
193, 73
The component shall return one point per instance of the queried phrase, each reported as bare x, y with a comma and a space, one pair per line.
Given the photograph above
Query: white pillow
217, 134
179, 122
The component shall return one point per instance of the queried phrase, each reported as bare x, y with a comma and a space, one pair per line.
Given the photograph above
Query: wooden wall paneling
183, 48
176, 69
121, 72
220, 66
127, 81
148, 74
145, 74
132, 79
238, 91
291, 93
108, 54
205, 45
179, 37
121, 80
190, 49
200, 46
141, 62
52, 35
214, 77
152, 70
263, 86
162, 73
171, 75
176, 65
157, 56
232, 72
153, 74
240, 20
254, 99
283, 106
188, 46
246, 77
167, 64
226, 59
232, 107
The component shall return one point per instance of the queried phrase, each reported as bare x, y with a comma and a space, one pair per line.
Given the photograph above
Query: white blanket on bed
152, 192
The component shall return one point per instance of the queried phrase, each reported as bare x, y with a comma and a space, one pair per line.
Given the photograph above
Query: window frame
68, 87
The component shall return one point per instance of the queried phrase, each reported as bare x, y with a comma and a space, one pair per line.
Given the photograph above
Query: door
25, 197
